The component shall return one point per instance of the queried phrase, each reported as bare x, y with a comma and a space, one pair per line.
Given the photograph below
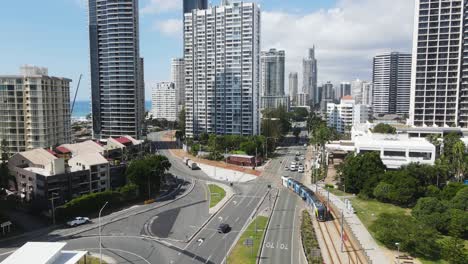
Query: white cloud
346, 37
170, 27
160, 6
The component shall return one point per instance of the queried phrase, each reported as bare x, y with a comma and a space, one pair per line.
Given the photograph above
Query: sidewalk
368, 243
182, 154
227, 175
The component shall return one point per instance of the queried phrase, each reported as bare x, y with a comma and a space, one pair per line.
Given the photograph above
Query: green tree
384, 129
460, 200
459, 162
361, 173
414, 237
181, 121
248, 147
453, 250
296, 132
450, 190
432, 212
458, 224
4, 171
448, 143
299, 114
147, 173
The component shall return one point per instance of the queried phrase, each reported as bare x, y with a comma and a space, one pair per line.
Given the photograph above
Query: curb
245, 226
126, 216
260, 249
208, 220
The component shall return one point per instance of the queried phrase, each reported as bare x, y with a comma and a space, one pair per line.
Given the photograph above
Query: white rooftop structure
84, 148
44, 253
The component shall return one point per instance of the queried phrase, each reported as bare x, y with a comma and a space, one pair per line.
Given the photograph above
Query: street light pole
398, 256
100, 239
53, 206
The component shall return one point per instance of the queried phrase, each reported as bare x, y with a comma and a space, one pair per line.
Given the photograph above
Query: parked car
300, 169
223, 228
77, 221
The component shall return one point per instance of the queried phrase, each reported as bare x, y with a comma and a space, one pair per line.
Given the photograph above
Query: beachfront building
34, 109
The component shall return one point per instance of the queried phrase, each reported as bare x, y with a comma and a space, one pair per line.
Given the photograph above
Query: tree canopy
384, 129
149, 170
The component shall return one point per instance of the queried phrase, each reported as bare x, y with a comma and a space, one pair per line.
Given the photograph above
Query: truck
192, 165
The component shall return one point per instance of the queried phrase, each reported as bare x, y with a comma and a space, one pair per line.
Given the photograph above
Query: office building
164, 101
293, 87
178, 78
190, 5
34, 110
309, 84
343, 90
392, 83
117, 86
356, 90
344, 115
222, 70
439, 83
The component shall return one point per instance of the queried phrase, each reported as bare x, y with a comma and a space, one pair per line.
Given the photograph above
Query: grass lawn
338, 192
216, 194
91, 260
242, 254
369, 210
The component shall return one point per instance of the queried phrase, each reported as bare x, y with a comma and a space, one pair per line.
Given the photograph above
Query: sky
347, 34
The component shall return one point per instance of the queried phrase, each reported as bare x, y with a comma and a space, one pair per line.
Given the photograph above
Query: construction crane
76, 93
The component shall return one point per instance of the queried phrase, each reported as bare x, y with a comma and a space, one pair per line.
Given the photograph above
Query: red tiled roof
123, 140
346, 97
51, 152
62, 150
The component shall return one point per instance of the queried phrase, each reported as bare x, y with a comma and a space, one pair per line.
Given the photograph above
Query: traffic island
309, 240
216, 194
247, 247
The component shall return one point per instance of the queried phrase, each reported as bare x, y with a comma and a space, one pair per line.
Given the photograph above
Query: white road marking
208, 259
292, 237
7, 253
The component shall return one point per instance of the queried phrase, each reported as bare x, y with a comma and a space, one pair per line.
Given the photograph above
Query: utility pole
342, 230
54, 196
100, 238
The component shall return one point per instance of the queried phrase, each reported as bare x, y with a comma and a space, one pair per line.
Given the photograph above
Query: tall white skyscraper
178, 78
117, 86
222, 61
164, 101
439, 83
293, 87
392, 83
34, 110
356, 90
309, 75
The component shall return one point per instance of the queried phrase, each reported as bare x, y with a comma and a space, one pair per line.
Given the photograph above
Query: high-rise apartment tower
117, 85
34, 110
392, 82
439, 83
222, 61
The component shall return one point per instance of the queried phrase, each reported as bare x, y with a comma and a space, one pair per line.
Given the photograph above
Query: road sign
249, 242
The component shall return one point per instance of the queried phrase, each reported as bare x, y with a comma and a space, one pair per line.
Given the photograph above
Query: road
282, 237
182, 230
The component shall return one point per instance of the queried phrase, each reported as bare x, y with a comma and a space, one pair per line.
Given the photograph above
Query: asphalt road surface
282, 238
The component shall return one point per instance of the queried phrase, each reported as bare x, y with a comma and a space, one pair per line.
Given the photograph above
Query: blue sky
53, 33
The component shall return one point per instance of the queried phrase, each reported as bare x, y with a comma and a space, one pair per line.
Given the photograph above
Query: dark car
223, 228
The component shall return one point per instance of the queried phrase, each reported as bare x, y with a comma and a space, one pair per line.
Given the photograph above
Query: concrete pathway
227, 175
370, 247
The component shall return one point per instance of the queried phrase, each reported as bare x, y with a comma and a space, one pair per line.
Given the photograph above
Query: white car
292, 168
300, 169
78, 221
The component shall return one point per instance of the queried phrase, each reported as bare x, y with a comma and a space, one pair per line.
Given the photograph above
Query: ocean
83, 108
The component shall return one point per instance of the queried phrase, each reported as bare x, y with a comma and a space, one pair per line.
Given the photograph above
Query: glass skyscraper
117, 85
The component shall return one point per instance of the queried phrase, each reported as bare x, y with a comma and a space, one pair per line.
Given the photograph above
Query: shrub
88, 204
414, 237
